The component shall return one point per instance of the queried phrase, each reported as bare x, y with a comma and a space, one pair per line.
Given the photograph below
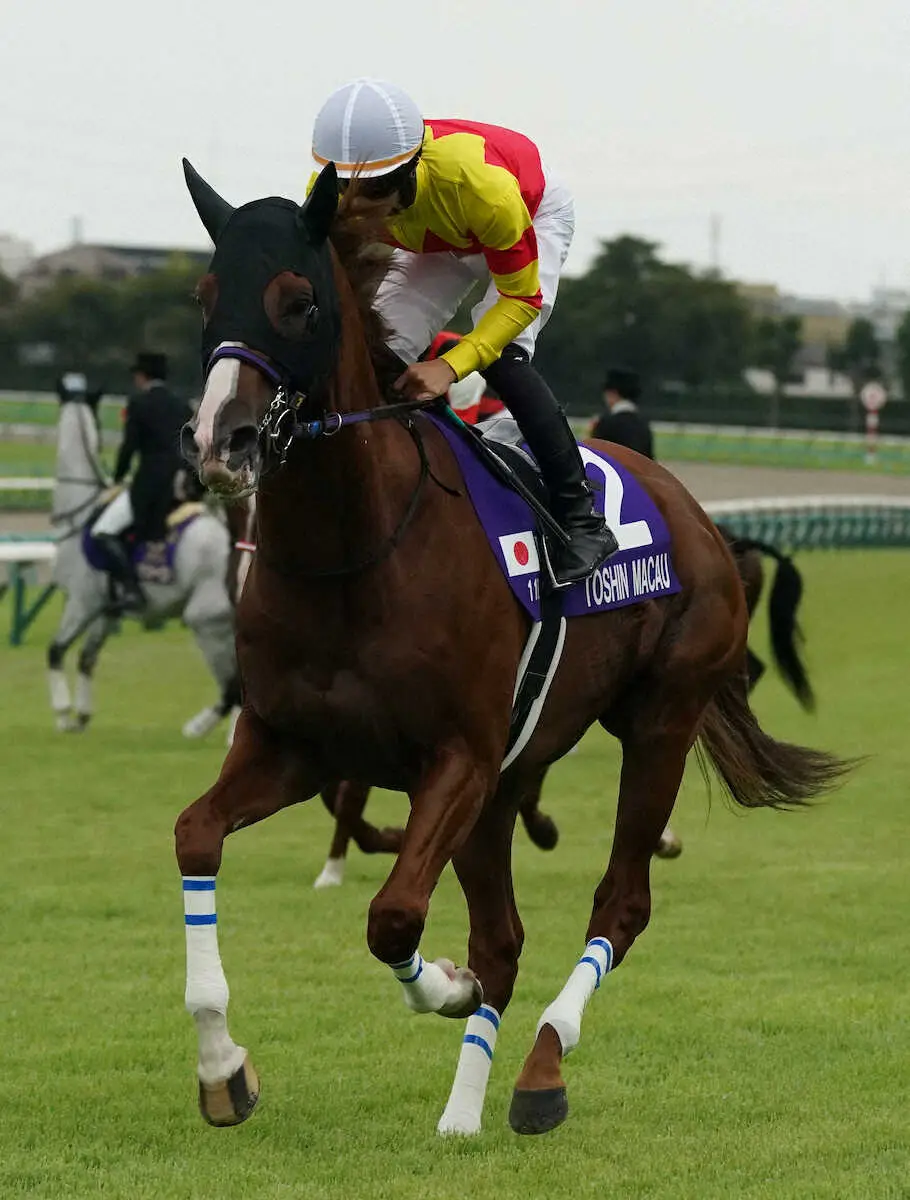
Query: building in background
95, 261
886, 309
16, 255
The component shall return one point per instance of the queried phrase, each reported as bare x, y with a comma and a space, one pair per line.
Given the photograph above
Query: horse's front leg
484, 869
260, 776
444, 810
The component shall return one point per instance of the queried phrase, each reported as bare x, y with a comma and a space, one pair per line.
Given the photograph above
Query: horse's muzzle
230, 469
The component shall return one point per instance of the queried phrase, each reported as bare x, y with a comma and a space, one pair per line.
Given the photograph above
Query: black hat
624, 381
151, 364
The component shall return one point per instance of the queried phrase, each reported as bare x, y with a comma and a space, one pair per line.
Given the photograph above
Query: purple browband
248, 356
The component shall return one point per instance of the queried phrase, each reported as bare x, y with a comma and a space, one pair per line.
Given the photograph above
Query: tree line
679, 328
686, 329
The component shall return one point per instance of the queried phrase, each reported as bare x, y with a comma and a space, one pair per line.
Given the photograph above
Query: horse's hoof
542, 831
231, 1101
469, 994
331, 875
538, 1112
669, 846
202, 724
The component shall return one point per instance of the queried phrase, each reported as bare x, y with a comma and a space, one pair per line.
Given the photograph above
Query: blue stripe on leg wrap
607, 948
593, 963
488, 1014
472, 1039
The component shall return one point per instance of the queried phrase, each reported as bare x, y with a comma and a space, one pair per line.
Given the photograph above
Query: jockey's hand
426, 380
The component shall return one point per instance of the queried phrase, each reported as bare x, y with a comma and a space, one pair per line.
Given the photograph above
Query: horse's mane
360, 240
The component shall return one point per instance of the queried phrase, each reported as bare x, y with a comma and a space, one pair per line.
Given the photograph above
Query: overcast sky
789, 120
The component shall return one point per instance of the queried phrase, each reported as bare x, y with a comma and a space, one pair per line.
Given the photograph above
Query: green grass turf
27, 458
46, 412
754, 1043
802, 453
35, 458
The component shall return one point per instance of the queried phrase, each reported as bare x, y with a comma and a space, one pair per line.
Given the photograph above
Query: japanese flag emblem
520, 553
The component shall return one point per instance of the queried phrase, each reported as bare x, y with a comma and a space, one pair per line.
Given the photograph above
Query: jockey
468, 397
470, 202
154, 418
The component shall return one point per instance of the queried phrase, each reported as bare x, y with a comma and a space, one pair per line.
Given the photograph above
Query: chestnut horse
378, 641
347, 801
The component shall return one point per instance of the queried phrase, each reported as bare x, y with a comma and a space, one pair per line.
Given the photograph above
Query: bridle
283, 424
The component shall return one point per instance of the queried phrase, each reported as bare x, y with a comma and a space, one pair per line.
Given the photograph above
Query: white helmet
367, 127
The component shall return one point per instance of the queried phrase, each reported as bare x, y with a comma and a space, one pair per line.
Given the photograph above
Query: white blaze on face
220, 389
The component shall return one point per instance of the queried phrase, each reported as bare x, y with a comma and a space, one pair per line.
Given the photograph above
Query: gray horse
197, 595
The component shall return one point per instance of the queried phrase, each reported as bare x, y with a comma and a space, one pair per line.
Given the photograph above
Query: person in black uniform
622, 422
154, 418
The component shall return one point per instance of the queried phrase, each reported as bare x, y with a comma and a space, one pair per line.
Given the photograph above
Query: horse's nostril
188, 447
242, 444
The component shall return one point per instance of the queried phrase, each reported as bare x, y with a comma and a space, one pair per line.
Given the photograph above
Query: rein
99, 479
281, 427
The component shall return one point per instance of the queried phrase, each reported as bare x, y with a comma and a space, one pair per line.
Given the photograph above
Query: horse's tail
786, 635
757, 771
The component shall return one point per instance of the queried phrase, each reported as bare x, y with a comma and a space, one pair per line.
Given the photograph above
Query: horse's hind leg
346, 802
209, 616
332, 874
98, 633
259, 777
540, 828
72, 624
755, 668
484, 869
651, 773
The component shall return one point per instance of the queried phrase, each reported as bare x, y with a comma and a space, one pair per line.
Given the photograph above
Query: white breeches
116, 517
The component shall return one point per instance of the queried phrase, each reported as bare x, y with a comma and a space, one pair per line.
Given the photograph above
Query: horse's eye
299, 307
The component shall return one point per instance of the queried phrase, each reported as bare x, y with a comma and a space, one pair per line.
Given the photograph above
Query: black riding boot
553, 444
120, 568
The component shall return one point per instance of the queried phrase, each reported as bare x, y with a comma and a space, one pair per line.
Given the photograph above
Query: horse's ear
214, 212
317, 212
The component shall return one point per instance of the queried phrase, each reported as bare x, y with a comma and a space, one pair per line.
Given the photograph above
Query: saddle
152, 560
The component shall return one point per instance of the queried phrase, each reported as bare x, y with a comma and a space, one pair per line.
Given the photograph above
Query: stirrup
584, 571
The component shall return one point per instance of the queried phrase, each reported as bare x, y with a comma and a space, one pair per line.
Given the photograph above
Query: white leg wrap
431, 986
332, 874
60, 691
84, 704
206, 986
464, 1109
564, 1014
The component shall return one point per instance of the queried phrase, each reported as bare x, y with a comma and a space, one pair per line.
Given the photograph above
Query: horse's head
72, 388
270, 312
